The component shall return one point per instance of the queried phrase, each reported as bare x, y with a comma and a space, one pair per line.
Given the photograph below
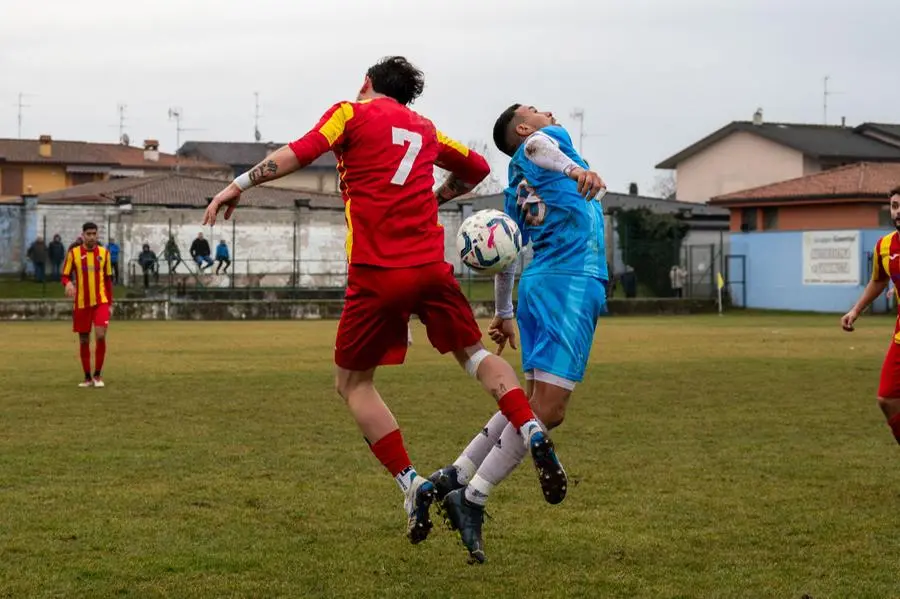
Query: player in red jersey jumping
885, 268
92, 290
386, 156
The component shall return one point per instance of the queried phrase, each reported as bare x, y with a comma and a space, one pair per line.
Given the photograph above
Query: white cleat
416, 504
98, 382
85, 384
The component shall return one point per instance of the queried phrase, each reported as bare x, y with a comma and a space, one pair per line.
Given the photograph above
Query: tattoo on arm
262, 170
452, 188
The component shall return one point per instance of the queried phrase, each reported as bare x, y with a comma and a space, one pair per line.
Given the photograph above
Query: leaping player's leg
373, 332
889, 389
101, 325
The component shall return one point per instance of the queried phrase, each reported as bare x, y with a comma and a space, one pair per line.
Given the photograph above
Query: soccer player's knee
84, 338
889, 405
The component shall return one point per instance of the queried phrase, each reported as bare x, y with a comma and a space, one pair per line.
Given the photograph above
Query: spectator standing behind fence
222, 257
677, 274
57, 253
149, 263
201, 252
113, 248
37, 253
629, 282
172, 254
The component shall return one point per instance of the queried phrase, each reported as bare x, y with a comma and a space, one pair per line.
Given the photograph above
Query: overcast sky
652, 76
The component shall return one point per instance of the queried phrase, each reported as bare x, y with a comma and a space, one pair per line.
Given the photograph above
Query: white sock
499, 463
405, 478
530, 428
478, 490
478, 448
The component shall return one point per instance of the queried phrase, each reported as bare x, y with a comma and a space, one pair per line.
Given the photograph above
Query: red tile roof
97, 154
181, 190
861, 180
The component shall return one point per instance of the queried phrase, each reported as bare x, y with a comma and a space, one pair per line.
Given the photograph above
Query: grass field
741, 456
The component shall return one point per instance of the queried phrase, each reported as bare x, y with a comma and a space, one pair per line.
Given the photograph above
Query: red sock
99, 356
390, 451
514, 405
86, 358
894, 423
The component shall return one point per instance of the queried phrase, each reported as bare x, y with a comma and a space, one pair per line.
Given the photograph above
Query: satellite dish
126, 141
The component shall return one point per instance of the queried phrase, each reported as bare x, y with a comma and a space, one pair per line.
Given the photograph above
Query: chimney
45, 146
151, 150
758, 117
843, 121
632, 189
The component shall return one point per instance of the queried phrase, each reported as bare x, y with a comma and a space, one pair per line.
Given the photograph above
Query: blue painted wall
774, 274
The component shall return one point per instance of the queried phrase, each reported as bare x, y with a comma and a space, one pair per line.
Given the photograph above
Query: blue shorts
557, 315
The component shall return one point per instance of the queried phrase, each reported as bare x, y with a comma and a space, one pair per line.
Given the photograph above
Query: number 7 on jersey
401, 137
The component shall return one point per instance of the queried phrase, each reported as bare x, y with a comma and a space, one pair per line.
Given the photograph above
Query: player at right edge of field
885, 268
562, 292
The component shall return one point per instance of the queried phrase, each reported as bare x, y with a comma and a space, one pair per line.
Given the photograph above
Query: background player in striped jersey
561, 295
395, 247
87, 277
885, 268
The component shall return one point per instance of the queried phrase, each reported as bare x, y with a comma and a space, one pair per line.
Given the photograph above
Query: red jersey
92, 270
886, 267
386, 155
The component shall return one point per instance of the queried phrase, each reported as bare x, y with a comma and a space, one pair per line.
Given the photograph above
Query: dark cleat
550, 472
417, 504
445, 480
467, 518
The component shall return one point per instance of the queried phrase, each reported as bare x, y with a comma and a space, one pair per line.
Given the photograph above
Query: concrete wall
264, 243
12, 229
774, 274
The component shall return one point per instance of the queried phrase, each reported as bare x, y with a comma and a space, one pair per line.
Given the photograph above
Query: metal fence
301, 272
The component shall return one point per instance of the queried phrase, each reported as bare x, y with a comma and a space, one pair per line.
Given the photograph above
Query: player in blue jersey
554, 197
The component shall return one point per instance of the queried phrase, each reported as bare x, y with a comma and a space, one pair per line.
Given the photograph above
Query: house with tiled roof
36, 166
320, 176
748, 154
853, 196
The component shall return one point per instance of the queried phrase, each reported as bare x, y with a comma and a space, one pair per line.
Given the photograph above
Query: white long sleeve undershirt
504, 281
542, 150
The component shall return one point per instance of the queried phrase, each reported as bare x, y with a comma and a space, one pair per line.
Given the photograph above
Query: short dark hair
88, 226
397, 78
894, 192
501, 130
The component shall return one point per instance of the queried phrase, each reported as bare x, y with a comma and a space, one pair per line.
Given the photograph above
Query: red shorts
379, 302
889, 385
84, 318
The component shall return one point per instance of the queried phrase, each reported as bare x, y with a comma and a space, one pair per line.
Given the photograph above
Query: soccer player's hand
590, 185
848, 319
70, 289
501, 331
228, 197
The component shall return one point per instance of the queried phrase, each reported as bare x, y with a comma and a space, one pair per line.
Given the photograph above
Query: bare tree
664, 186
491, 183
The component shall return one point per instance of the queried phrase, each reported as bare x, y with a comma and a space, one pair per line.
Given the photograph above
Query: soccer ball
488, 241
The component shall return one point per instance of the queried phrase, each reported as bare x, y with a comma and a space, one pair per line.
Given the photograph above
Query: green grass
16, 289
741, 456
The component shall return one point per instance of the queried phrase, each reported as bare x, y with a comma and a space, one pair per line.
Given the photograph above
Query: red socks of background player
99, 356
894, 423
85, 348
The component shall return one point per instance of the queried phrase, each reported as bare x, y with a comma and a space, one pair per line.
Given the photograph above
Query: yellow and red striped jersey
886, 267
92, 273
386, 156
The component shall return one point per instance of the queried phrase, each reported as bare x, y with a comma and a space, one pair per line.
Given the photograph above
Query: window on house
748, 219
884, 218
12, 181
81, 178
770, 218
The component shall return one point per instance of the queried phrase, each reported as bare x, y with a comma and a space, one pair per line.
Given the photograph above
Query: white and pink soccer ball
488, 241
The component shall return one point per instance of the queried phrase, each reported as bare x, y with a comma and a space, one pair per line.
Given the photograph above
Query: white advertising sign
831, 257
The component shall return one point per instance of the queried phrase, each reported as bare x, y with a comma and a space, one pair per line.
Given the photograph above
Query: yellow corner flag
721, 281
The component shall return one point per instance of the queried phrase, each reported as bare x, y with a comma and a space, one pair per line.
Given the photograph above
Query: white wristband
243, 182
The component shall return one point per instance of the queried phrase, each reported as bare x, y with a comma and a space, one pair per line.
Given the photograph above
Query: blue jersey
570, 238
